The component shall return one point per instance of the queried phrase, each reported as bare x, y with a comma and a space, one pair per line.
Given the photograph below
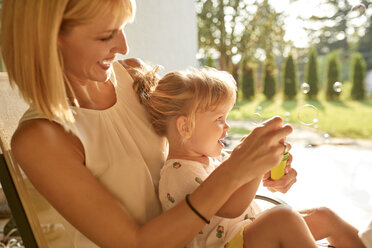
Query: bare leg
324, 223
278, 227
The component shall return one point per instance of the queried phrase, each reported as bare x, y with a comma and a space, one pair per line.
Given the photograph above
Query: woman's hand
283, 184
258, 152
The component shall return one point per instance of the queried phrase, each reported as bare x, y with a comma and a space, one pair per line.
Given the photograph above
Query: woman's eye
107, 38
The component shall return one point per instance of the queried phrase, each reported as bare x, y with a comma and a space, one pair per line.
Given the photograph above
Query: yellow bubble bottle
277, 172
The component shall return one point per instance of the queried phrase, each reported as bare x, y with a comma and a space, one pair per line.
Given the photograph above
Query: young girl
190, 109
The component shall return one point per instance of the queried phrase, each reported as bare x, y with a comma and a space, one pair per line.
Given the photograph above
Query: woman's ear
182, 126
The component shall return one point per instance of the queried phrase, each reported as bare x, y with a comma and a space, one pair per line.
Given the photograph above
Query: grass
342, 118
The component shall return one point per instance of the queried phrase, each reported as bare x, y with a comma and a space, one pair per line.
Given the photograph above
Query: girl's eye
220, 118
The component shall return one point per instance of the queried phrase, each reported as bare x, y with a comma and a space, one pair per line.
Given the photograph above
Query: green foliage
333, 37
358, 72
344, 118
311, 74
289, 78
365, 45
247, 81
269, 79
333, 75
236, 27
209, 61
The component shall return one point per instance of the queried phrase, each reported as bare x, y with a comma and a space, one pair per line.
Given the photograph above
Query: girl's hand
285, 183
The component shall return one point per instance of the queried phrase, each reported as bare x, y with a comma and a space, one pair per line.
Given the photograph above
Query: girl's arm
240, 200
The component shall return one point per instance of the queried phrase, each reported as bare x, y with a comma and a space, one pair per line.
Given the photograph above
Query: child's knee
325, 213
284, 213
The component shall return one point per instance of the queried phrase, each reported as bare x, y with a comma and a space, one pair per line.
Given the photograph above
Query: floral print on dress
246, 217
198, 180
170, 198
220, 231
176, 165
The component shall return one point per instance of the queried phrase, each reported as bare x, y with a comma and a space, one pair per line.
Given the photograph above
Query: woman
86, 143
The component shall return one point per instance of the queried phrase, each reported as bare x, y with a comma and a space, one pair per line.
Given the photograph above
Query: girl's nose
227, 126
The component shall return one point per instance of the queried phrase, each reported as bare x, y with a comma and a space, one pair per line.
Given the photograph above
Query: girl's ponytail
145, 82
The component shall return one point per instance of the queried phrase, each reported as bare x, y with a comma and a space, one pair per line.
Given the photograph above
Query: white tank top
121, 150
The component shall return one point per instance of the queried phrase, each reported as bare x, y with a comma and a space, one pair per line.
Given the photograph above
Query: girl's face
89, 49
210, 128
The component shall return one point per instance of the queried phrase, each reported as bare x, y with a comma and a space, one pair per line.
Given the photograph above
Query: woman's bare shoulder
41, 136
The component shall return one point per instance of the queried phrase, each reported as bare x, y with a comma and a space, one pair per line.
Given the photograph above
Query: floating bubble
256, 118
308, 115
259, 108
309, 146
359, 9
305, 88
326, 137
287, 116
337, 86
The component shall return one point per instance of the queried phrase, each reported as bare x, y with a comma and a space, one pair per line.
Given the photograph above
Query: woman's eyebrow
107, 31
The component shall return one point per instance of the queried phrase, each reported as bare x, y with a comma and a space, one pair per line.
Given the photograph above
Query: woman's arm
54, 162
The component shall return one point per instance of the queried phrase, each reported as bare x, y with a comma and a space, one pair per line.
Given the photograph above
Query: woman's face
89, 49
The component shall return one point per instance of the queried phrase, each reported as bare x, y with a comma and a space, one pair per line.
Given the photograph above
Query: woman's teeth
105, 62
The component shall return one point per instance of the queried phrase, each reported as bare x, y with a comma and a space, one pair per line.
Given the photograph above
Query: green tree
269, 78
290, 78
235, 29
365, 45
247, 80
339, 28
358, 72
311, 74
333, 75
209, 61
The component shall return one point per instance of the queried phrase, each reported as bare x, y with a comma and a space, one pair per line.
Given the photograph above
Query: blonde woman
86, 142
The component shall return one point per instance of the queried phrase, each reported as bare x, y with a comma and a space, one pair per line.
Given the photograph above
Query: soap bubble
256, 118
337, 86
259, 108
287, 116
305, 88
326, 137
358, 9
308, 114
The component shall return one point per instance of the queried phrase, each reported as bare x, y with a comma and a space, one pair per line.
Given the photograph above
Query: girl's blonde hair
183, 93
29, 35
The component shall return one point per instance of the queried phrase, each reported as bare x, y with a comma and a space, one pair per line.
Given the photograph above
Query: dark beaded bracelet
195, 211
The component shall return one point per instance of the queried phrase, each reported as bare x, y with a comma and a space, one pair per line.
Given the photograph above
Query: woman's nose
121, 45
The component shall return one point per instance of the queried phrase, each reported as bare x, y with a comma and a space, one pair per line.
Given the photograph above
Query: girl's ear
182, 126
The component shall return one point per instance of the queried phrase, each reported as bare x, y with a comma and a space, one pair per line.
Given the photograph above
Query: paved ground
331, 172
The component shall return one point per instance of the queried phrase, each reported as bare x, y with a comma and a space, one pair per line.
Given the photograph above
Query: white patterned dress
179, 177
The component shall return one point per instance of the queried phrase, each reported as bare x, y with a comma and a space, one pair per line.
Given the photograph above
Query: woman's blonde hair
29, 35
183, 93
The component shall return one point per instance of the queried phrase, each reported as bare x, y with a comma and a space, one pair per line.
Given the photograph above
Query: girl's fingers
282, 185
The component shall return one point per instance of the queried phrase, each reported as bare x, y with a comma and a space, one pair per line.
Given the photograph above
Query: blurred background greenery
285, 54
